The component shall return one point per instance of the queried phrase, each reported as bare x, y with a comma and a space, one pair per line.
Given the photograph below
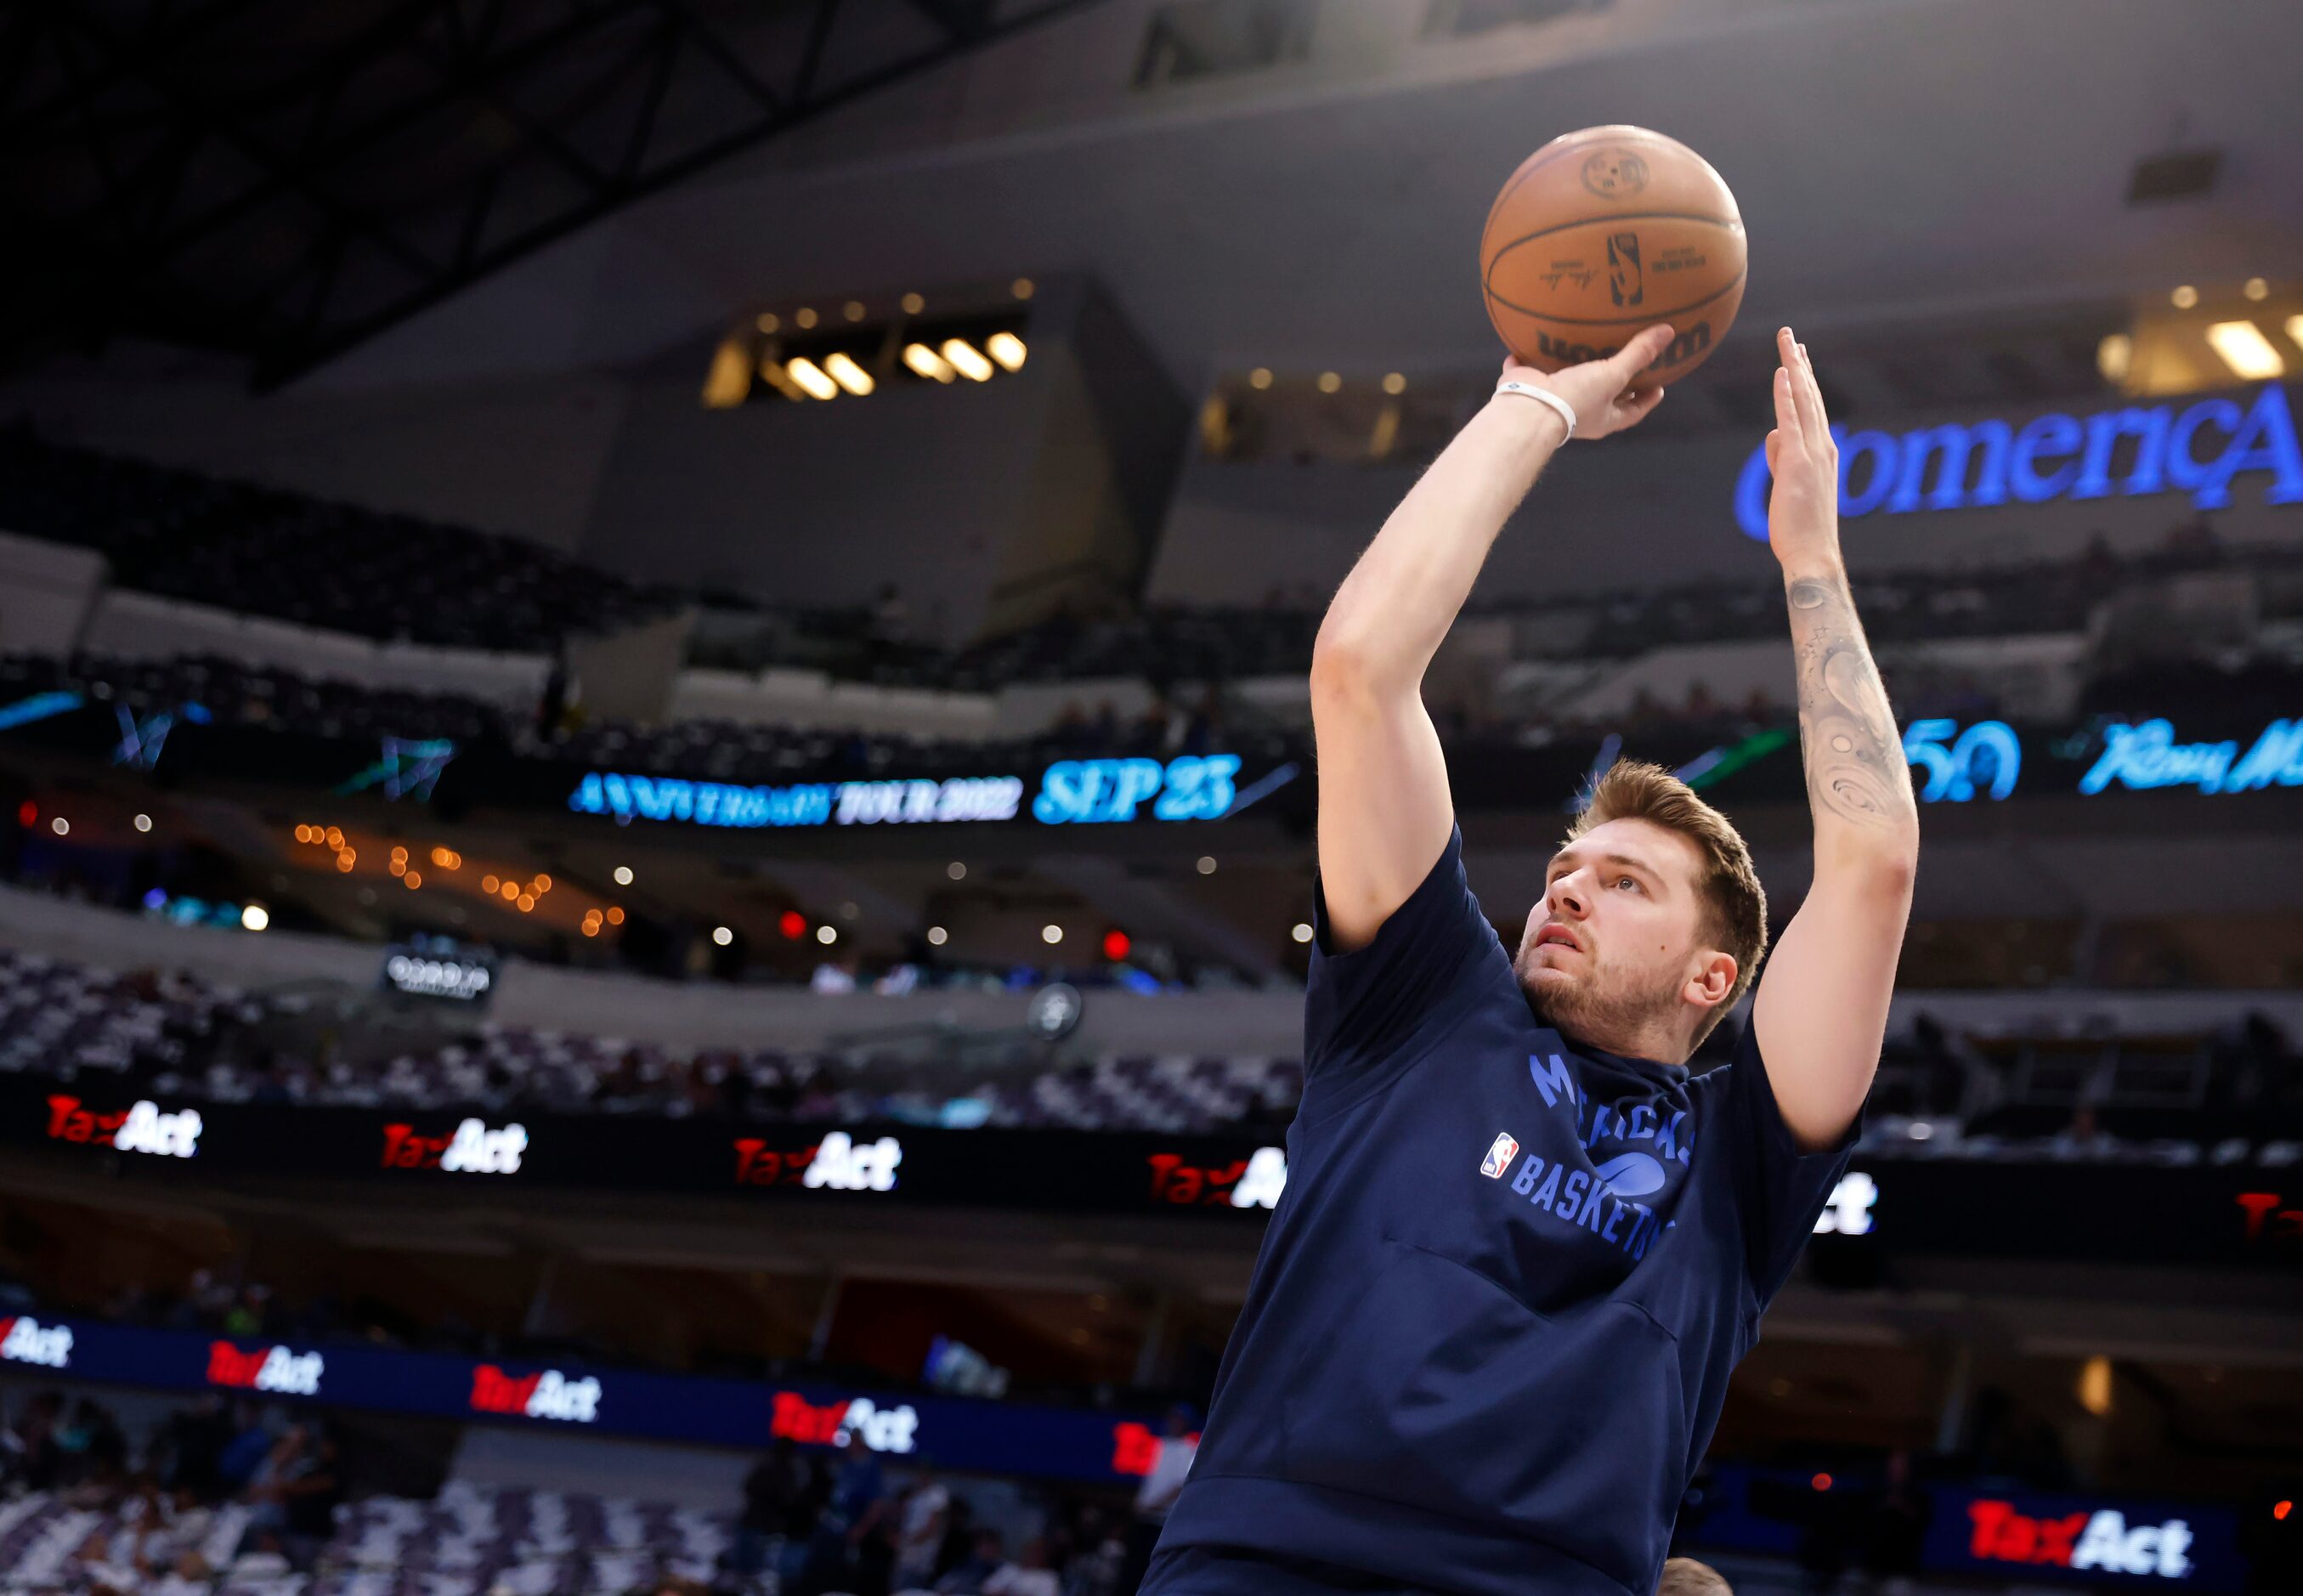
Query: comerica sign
2136, 452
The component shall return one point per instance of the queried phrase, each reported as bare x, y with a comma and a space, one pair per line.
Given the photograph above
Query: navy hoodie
1491, 1326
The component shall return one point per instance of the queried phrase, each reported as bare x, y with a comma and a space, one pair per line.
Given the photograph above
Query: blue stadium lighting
39, 707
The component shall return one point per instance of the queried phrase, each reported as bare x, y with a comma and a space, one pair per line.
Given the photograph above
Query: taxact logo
1848, 1209
546, 1394
1255, 1181
842, 1164
2103, 1540
472, 1149
141, 1128
29, 1341
1135, 1448
274, 1369
883, 1429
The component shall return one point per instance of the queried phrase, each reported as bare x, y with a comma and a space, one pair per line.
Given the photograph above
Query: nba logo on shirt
1499, 1156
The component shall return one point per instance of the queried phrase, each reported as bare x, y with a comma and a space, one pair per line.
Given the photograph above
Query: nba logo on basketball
1623, 278
1499, 1155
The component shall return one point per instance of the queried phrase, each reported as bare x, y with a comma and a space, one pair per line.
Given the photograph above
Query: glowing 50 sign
1986, 756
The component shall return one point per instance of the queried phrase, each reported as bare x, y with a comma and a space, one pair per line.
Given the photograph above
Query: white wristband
1543, 396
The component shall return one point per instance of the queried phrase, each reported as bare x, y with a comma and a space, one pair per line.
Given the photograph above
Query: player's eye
1625, 880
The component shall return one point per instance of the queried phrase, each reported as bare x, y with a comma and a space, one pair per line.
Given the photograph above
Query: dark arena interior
671, 674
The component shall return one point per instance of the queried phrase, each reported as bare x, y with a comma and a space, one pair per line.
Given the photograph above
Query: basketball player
1521, 1248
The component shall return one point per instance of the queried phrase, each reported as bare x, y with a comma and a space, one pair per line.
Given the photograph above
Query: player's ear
1713, 979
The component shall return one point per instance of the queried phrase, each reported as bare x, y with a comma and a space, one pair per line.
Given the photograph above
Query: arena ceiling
280, 180
1936, 160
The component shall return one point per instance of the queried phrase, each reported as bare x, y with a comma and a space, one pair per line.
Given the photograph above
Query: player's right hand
1604, 393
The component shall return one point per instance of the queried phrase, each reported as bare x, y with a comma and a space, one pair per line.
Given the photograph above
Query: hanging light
968, 359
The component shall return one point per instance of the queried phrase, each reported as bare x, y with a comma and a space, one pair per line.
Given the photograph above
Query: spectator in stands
2082, 1138
966, 1577
246, 1452
1897, 1523
1028, 1575
33, 1459
1093, 1553
194, 1440
844, 1538
94, 1453
294, 1496
1169, 1468
919, 1535
770, 1490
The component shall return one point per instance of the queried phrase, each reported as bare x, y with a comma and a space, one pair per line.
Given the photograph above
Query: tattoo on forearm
1855, 767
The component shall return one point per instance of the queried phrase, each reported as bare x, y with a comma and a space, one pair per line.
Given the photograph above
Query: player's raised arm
1384, 807
1822, 1005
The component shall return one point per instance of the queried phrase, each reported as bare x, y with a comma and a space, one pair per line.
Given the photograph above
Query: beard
1605, 1008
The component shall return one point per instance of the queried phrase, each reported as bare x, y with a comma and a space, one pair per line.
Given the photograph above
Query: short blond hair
1684, 1576
1736, 920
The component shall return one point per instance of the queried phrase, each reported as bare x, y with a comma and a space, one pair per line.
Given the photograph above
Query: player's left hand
1605, 394
1803, 510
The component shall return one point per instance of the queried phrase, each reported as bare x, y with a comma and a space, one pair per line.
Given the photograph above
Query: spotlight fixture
929, 364
2246, 351
967, 359
812, 378
1006, 348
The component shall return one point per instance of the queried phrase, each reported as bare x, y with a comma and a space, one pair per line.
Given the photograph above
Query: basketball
1602, 232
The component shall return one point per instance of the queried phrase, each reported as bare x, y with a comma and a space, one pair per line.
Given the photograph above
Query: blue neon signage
1071, 791
1096, 791
2146, 757
1985, 757
2057, 456
625, 796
